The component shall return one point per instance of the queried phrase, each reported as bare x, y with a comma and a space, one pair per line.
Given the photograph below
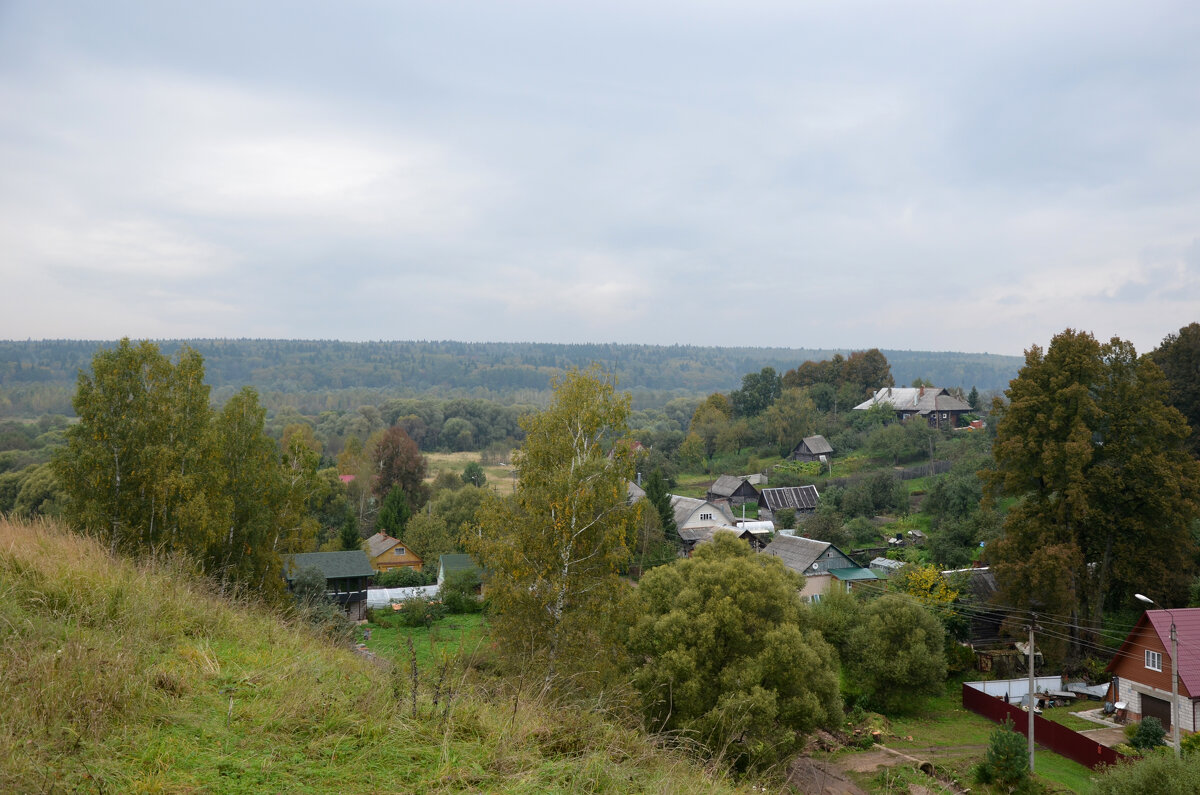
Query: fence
1055, 736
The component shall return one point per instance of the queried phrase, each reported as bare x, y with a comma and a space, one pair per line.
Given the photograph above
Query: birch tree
553, 549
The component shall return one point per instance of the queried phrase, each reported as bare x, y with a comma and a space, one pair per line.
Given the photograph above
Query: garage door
1157, 708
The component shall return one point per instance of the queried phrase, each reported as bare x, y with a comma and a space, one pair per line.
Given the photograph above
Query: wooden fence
1055, 736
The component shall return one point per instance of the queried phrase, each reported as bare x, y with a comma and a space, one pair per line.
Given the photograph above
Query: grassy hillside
136, 678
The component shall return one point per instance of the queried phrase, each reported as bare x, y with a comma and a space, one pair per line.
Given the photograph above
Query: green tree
394, 513
1105, 484
973, 399
896, 653
429, 537
866, 372
759, 390
1179, 358
555, 547
790, 418
727, 657
1006, 762
349, 535
458, 508
473, 474
135, 468
656, 493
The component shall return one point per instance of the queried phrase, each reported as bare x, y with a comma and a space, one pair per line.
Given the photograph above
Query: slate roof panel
804, 498
334, 565
817, 445
798, 554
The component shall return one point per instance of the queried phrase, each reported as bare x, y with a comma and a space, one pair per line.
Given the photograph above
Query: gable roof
797, 553
380, 543
817, 445
728, 485
804, 498
920, 400
334, 565
1187, 629
684, 507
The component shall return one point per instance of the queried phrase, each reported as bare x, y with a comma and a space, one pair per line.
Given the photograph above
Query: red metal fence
1055, 736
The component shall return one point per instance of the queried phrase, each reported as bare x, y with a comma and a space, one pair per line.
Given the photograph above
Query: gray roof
380, 543
817, 445
920, 400
798, 554
634, 492
334, 565
726, 485
684, 507
887, 563
804, 498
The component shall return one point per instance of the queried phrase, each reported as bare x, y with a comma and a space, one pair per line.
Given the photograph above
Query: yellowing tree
554, 547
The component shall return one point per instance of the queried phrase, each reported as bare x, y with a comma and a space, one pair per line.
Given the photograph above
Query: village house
812, 448
734, 490
933, 404
346, 575
821, 563
387, 553
696, 520
1141, 668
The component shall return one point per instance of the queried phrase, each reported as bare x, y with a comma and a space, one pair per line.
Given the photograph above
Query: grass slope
138, 678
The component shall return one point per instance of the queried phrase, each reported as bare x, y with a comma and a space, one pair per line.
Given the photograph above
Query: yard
452, 636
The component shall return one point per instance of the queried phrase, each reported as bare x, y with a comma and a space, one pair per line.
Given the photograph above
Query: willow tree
1106, 490
553, 549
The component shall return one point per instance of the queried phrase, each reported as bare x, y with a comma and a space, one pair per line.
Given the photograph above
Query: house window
399, 550
1153, 660
706, 517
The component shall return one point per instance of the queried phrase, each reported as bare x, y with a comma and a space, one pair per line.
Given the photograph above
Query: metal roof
853, 574
804, 498
921, 400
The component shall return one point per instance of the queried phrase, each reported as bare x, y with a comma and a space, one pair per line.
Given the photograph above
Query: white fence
381, 597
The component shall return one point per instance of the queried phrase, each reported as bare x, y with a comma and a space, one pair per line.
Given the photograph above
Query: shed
346, 574
737, 490
801, 499
812, 448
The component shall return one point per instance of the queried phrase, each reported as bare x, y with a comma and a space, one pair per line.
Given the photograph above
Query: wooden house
346, 575
820, 562
387, 553
812, 448
933, 404
1141, 668
732, 489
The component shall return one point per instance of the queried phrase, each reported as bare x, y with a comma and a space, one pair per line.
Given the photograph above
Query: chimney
922, 391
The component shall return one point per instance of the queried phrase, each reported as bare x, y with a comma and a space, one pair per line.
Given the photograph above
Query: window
1153, 660
706, 517
399, 550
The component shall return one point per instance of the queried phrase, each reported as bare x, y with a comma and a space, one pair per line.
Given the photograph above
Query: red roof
346, 478
1187, 629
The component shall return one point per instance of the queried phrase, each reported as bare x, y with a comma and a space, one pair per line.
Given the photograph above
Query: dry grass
499, 478
123, 677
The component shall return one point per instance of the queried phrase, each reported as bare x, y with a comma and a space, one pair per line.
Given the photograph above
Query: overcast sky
919, 175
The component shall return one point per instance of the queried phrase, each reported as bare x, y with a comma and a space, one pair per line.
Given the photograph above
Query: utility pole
1174, 673
1032, 624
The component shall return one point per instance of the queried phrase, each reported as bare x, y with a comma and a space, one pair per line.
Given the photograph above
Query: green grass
451, 637
1060, 774
123, 677
1065, 715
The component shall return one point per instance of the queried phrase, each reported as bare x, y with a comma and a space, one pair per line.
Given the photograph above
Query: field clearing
500, 479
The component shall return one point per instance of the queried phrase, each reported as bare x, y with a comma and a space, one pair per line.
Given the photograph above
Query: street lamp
1174, 673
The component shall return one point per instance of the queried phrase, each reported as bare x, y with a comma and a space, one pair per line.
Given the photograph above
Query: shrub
1162, 775
1190, 744
458, 591
402, 578
420, 611
785, 518
1149, 734
1006, 762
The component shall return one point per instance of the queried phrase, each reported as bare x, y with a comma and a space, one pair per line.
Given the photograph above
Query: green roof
854, 574
457, 562
334, 565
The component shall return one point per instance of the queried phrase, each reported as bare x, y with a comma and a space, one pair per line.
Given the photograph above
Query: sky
921, 175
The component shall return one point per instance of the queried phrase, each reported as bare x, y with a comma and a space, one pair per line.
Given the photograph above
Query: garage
1156, 708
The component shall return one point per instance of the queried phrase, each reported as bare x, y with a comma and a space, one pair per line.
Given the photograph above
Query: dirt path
815, 777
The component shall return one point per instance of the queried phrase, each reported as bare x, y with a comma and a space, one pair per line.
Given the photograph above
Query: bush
458, 592
403, 578
1006, 762
1149, 734
420, 611
785, 518
1162, 775
1190, 744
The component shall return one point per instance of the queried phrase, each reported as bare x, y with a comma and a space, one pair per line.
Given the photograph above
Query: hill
131, 678
38, 377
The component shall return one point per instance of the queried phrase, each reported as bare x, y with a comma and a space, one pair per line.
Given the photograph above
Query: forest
38, 377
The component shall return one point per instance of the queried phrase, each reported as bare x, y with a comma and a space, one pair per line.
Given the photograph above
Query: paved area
1108, 737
